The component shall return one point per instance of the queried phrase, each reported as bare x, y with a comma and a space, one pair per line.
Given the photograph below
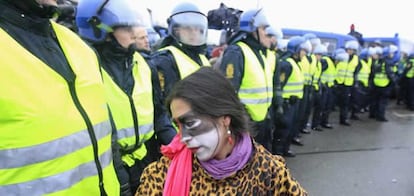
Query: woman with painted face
214, 152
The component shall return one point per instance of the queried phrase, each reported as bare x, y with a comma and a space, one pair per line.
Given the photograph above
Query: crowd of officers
282, 89
292, 89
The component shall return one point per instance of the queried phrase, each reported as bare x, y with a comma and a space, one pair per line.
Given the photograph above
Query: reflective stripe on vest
256, 88
185, 64
43, 135
328, 75
295, 83
381, 78
60, 181
345, 71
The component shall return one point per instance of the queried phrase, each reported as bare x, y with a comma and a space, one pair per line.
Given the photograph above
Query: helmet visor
189, 28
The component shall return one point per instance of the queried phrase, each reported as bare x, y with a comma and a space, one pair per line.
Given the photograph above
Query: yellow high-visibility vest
295, 82
185, 64
380, 78
317, 72
329, 74
345, 71
55, 134
124, 114
256, 88
305, 67
363, 75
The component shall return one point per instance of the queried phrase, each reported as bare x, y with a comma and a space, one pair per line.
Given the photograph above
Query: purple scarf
238, 158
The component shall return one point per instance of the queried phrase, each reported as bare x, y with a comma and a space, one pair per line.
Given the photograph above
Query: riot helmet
320, 49
96, 18
250, 20
314, 40
188, 25
296, 43
352, 45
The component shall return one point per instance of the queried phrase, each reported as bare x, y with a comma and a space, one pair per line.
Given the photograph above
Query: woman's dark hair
209, 93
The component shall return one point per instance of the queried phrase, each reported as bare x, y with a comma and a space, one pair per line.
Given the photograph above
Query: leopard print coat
264, 174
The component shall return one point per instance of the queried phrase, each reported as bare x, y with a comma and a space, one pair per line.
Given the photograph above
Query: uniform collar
14, 16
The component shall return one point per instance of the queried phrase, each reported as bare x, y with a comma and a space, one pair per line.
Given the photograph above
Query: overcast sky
381, 18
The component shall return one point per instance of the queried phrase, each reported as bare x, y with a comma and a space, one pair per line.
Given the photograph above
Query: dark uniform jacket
164, 62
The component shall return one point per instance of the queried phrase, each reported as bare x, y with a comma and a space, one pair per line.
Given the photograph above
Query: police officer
361, 87
319, 51
383, 79
55, 129
345, 80
183, 51
408, 79
245, 64
292, 84
327, 87
132, 86
307, 65
352, 48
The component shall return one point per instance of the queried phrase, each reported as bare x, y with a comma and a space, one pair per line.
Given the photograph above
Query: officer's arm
162, 124
232, 65
407, 68
324, 64
357, 69
277, 86
165, 65
388, 70
285, 71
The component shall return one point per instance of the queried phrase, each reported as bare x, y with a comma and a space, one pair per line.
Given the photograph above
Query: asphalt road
368, 158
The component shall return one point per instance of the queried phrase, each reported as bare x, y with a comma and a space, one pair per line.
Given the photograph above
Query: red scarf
179, 173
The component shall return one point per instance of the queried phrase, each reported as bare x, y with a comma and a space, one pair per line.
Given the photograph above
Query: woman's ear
226, 121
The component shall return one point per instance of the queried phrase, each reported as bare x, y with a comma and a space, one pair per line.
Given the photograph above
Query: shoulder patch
282, 77
162, 80
230, 71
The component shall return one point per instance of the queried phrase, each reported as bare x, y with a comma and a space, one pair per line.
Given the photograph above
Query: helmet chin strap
32, 7
120, 49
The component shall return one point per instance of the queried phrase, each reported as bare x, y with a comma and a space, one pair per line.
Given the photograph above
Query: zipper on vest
91, 132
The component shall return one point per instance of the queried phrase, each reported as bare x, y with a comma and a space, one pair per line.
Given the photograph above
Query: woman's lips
194, 150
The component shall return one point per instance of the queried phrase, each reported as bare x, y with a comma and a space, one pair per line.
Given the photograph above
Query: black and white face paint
200, 134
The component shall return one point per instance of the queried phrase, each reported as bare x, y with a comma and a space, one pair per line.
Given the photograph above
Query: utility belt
291, 100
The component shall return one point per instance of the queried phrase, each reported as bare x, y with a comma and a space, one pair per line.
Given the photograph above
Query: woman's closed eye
192, 123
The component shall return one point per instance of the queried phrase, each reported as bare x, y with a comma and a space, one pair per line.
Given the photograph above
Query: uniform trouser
317, 107
409, 98
359, 98
264, 131
403, 90
344, 98
283, 136
305, 106
379, 101
327, 102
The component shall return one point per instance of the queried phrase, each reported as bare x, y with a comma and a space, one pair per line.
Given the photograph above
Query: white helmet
353, 44
320, 49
